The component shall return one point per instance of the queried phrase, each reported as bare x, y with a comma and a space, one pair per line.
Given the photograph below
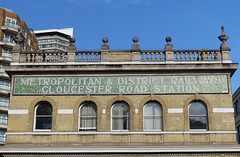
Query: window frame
35, 117
128, 117
206, 116
161, 116
79, 116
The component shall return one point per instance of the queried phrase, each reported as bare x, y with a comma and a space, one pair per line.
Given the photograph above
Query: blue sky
192, 24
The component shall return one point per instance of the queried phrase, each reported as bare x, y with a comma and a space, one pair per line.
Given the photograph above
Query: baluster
37, 57
92, 57
157, 57
195, 56
144, 57
54, 57
97, 56
50, 57
181, 55
190, 56
212, 56
186, 56
152, 53
177, 56
88, 56
33, 57
161, 56
199, 56
208, 56
58, 57
84, 57
203, 56
41, 59
79, 57
76, 58
148, 56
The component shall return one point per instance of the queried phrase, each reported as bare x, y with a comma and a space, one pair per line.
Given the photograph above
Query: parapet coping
121, 149
121, 63
119, 132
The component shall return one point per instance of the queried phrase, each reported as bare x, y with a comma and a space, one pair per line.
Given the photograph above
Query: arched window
152, 116
88, 116
120, 116
43, 116
198, 115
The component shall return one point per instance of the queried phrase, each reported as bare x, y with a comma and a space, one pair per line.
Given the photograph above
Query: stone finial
135, 46
135, 40
105, 46
105, 40
18, 39
223, 38
168, 40
72, 41
71, 46
168, 46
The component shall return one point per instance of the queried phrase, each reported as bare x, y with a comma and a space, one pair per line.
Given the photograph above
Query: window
88, 117
4, 85
198, 115
23, 31
2, 136
22, 46
11, 23
43, 116
6, 53
3, 118
4, 101
152, 116
8, 37
120, 116
2, 69
236, 107
29, 41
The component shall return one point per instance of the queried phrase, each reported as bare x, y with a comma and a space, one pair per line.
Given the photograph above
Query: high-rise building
54, 39
10, 23
236, 101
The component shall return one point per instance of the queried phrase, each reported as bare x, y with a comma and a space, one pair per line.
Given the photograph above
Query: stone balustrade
168, 55
197, 55
43, 57
88, 56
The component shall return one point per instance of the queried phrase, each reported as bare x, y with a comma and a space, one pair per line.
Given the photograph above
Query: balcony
3, 126
10, 28
4, 108
4, 59
7, 44
4, 75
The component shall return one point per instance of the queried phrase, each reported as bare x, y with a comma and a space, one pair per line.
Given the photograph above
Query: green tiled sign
120, 85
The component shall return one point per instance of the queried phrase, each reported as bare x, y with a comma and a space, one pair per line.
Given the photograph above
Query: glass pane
88, 122
152, 108
152, 123
43, 122
197, 108
44, 108
120, 108
237, 107
198, 122
120, 123
88, 110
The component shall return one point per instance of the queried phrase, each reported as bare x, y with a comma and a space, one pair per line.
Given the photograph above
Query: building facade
236, 100
122, 102
54, 40
10, 23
